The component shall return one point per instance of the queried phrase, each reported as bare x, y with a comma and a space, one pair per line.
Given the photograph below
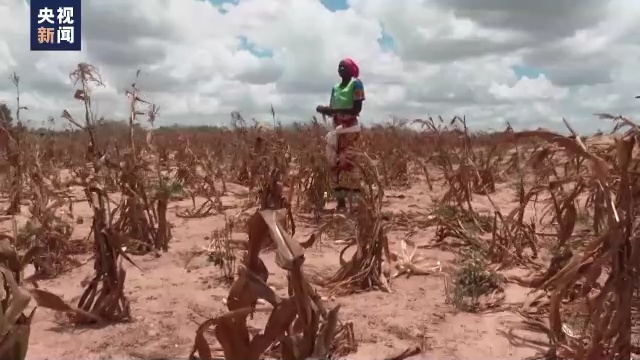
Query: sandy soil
170, 297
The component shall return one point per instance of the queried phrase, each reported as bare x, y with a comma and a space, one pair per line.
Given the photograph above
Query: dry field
125, 241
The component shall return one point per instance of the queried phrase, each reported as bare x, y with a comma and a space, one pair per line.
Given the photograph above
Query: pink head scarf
351, 67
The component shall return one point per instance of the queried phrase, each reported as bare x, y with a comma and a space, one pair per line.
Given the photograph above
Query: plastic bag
332, 146
332, 141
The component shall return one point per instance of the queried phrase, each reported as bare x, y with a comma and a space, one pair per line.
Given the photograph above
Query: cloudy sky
527, 62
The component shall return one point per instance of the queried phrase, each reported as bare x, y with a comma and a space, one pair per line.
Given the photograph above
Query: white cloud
453, 57
539, 88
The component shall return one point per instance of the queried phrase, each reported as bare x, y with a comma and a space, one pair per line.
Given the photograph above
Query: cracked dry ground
169, 299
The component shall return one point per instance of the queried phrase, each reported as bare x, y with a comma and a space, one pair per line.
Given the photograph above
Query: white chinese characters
55, 25
65, 34
65, 15
45, 15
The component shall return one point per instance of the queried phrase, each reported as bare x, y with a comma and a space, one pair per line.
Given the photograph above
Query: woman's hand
324, 110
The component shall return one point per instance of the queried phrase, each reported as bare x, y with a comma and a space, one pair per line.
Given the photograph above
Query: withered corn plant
34, 183
138, 217
103, 296
167, 186
200, 172
49, 227
312, 179
454, 165
364, 271
299, 326
15, 299
596, 282
393, 152
15, 136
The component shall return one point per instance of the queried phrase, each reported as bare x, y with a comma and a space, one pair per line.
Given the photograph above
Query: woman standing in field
344, 107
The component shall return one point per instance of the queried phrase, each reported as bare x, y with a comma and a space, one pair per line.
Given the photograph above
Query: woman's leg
338, 190
348, 188
341, 198
352, 196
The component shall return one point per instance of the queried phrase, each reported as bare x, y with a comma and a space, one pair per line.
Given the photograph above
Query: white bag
331, 147
332, 141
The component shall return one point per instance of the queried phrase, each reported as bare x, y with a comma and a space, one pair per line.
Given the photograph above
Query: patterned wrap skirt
344, 173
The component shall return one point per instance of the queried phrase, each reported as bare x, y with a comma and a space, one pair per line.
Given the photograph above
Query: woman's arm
326, 110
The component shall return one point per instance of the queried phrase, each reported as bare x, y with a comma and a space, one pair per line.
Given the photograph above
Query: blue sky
220, 2
335, 5
525, 71
248, 45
